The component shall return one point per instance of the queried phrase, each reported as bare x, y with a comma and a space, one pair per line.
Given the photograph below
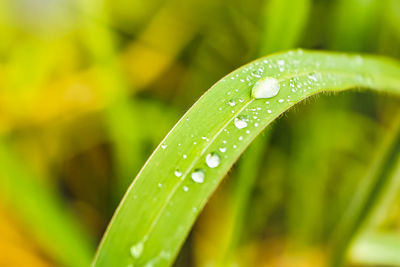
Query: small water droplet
266, 88
213, 160
198, 176
232, 103
281, 100
222, 149
269, 111
184, 156
241, 122
185, 188
137, 250
163, 146
160, 185
240, 138
313, 76
178, 173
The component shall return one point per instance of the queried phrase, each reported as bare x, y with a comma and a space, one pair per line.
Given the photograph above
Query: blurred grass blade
247, 173
383, 175
355, 32
44, 214
159, 208
283, 16
376, 249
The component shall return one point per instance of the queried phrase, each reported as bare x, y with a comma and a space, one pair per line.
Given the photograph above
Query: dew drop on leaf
198, 176
232, 103
213, 160
222, 149
136, 250
178, 173
266, 88
240, 122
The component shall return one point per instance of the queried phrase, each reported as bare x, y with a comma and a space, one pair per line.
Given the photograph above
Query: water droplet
178, 173
281, 100
185, 188
137, 250
222, 149
163, 146
240, 138
198, 176
266, 88
240, 122
269, 111
313, 76
213, 160
281, 62
184, 156
160, 185
232, 103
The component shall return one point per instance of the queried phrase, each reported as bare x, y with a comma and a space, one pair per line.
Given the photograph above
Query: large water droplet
213, 160
240, 122
198, 176
266, 88
136, 250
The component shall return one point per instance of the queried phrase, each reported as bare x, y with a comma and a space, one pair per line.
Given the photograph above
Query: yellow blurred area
146, 58
16, 249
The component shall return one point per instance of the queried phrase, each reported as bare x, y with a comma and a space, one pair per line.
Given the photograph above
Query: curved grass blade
159, 208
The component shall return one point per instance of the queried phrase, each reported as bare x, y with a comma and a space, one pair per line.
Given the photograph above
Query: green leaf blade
159, 208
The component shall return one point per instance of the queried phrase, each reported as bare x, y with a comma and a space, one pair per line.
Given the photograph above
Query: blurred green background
88, 88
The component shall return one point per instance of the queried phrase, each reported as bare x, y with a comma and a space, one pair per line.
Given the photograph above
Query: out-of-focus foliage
88, 88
